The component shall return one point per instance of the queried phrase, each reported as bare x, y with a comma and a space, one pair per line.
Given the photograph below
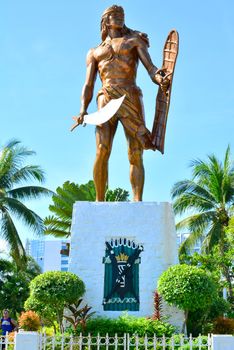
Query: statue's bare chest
115, 47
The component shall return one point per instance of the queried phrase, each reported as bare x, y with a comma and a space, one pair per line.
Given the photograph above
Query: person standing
7, 325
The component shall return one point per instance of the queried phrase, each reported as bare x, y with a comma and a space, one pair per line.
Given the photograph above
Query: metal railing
126, 342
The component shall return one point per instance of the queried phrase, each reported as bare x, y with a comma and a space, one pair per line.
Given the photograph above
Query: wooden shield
170, 52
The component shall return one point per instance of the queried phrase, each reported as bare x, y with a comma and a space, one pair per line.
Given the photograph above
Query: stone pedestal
27, 341
222, 342
148, 224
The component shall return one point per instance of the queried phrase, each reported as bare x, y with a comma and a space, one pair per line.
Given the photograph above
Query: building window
64, 269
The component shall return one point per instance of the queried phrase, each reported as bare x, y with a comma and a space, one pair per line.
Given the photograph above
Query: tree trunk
55, 330
228, 277
223, 248
60, 321
184, 327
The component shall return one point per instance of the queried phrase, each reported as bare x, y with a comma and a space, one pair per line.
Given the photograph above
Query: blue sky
42, 67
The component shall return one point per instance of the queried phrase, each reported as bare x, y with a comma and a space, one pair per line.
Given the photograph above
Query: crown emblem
122, 257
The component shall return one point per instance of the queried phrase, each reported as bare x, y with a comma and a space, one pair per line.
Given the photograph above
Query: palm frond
198, 222
200, 169
7, 167
209, 175
117, 195
20, 152
71, 192
216, 178
190, 186
28, 172
89, 192
63, 213
63, 202
12, 143
29, 192
29, 217
10, 234
57, 233
64, 199
228, 178
52, 222
212, 237
11, 160
227, 164
189, 200
190, 242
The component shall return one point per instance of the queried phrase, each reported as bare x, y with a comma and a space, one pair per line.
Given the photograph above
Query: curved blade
105, 113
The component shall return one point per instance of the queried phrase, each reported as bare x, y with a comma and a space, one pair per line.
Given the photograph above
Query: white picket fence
127, 342
7, 342
36, 341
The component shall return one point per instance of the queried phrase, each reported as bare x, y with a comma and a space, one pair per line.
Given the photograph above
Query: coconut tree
14, 174
206, 203
59, 224
209, 198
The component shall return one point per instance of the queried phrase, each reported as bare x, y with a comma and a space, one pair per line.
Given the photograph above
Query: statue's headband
114, 8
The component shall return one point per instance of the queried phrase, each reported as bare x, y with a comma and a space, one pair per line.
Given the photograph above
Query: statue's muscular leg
104, 138
137, 172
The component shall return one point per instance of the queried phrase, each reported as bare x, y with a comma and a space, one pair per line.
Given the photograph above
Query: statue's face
115, 20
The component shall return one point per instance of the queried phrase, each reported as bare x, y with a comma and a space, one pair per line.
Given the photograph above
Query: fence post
222, 342
27, 341
124, 342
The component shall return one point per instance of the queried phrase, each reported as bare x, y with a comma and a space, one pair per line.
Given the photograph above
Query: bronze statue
116, 60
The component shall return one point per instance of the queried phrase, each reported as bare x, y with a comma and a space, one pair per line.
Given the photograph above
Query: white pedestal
222, 342
148, 223
27, 341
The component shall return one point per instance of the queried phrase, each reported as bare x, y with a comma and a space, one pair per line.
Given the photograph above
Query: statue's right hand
78, 120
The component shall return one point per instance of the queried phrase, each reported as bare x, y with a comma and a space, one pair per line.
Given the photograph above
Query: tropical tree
59, 224
55, 289
187, 287
46, 312
14, 173
209, 195
14, 284
208, 200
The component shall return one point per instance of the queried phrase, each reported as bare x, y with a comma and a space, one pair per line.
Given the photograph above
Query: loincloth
130, 114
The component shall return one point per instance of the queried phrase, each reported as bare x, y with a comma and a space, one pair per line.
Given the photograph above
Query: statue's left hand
165, 84
163, 81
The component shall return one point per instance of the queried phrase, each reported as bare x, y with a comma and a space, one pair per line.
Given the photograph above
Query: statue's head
112, 17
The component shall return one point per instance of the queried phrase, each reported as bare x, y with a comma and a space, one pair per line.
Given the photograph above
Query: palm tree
13, 174
59, 224
208, 199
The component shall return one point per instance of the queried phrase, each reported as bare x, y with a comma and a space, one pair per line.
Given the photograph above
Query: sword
103, 115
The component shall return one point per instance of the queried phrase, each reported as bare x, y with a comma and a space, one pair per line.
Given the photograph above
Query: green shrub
201, 321
127, 324
176, 343
224, 326
54, 289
